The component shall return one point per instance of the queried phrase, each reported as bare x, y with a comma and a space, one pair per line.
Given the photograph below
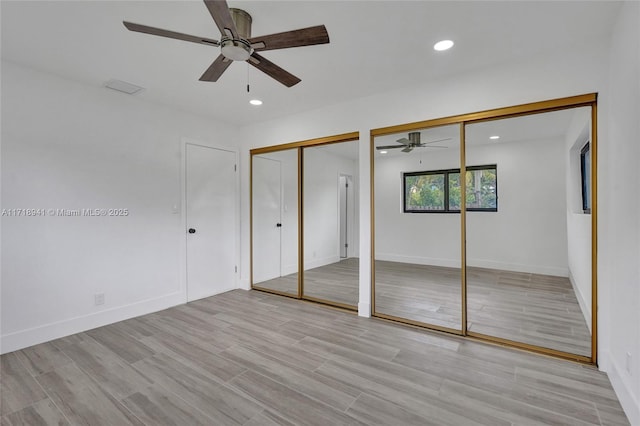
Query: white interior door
211, 220
267, 214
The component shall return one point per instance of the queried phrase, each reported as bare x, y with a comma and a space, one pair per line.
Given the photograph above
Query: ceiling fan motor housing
238, 49
414, 138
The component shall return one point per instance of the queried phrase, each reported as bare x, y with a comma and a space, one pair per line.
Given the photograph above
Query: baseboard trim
245, 284
516, 267
478, 263
418, 260
317, 263
629, 401
44, 333
584, 307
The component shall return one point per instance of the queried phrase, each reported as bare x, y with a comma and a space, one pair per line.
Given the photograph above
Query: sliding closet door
418, 227
330, 222
274, 200
528, 230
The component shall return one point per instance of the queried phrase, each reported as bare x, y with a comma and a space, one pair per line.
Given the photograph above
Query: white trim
418, 260
517, 267
478, 263
316, 263
584, 306
351, 214
183, 211
44, 333
622, 387
364, 310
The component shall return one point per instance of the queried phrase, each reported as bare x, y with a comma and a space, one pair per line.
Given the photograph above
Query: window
439, 191
585, 176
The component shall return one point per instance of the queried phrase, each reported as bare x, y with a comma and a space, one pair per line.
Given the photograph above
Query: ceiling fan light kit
236, 43
238, 49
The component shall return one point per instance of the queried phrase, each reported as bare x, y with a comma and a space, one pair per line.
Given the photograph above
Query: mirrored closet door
331, 242
305, 220
274, 221
528, 230
484, 225
417, 227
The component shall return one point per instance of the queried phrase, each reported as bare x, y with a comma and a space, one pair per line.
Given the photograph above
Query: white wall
67, 145
531, 211
528, 233
619, 220
321, 208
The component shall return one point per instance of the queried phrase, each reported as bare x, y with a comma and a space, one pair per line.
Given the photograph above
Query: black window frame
585, 178
446, 173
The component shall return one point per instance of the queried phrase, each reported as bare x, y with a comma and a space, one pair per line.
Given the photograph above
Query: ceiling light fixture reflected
255, 102
443, 45
383, 152
493, 138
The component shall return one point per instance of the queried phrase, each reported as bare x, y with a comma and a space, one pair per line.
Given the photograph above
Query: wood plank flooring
536, 309
252, 358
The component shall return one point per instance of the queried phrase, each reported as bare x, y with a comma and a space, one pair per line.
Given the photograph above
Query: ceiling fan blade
389, 146
437, 140
296, 38
408, 149
216, 69
219, 11
273, 71
169, 34
403, 141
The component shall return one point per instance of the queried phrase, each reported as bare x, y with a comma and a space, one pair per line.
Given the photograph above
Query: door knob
279, 225
192, 231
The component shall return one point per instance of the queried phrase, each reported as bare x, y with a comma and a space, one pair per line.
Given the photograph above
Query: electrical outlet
98, 299
628, 366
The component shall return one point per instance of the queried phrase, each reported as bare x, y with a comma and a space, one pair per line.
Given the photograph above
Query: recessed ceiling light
383, 152
443, 45
494, 137
255, 102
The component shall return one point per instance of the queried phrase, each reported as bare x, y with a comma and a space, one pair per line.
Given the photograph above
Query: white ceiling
375, 46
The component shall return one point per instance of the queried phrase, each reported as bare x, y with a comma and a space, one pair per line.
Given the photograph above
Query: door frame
182, 208
350, 213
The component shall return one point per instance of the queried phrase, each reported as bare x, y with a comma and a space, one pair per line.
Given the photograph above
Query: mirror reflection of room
275, 221
417, 227
529, 262
330, 208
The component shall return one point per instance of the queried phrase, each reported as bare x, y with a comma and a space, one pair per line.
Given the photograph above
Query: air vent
124, 87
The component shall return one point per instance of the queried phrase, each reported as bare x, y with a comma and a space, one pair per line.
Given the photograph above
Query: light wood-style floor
252, 358
536, 309
336, 282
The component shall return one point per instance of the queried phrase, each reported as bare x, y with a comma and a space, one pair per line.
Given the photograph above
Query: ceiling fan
236, 43
407, 145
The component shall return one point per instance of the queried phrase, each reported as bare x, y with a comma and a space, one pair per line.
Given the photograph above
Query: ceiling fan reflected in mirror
236, 43
412, 142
